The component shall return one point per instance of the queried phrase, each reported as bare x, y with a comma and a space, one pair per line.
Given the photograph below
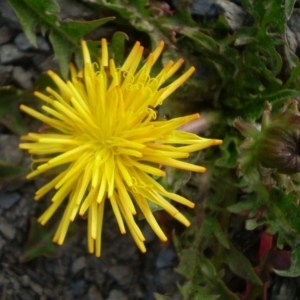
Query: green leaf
280, 95
39, 242
137, 13
229, 149
252, 224
9, 172
33, 13
288, 8
161, 297
242, 206
187, 266
200, 38
209, 272
10, 98
211, 226
64, 35
194, 291
274, 17
118, 47
241, 266
66, 38
207, 268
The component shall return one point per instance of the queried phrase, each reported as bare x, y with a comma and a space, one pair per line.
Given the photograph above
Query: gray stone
78, 264
24, 44
117, 295
291, 39
36, 288
97, 273
165, 258
233, 13
8, 200
166, 280
67, 295
7, 14
9, 149
78, 11
25, 280
7, 230
294, 25
122, 274
43, 44
78, 288
24, 207
24, 78
94, 293
9, 53
203, 8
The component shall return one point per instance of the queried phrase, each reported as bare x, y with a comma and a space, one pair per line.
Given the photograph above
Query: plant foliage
64, 35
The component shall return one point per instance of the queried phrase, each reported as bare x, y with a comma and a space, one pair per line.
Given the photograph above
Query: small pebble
233, 13
7, 230
25, 280
36, 288
78, 11
122, 274
294, 25
94, 293
22, 42
9, 150
291, 39
9, 16
78, 264
78, 287
8, 200
43, 44
167, 280
117, 295
202, 8
165, 258
24, 78
9, 53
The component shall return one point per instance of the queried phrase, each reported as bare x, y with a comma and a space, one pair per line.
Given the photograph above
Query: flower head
104, 136
277, 144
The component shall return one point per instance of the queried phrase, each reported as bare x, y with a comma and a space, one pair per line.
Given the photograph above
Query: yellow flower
103, 135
